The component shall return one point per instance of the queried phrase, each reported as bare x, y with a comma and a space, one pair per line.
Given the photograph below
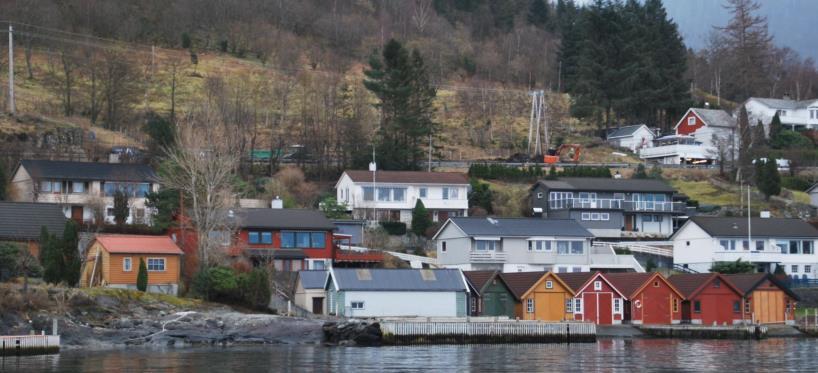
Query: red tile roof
408, 177
520, 282
575, 280
137, 244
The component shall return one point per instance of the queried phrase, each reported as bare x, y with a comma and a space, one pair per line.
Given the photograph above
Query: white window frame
354, 302
578, 306
605, 216
164, 265
539, 195
617, 305
127, 264
595, 216
597, 285
549, 284
423, 192
691, 121
529, 305
569, 305
807, 268
586, 216
794, 268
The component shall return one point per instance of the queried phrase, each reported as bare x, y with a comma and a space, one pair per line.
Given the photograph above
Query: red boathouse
651, 299
709, 299
596, 300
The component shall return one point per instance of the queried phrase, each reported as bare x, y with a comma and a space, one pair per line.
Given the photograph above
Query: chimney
277, 203
765, 214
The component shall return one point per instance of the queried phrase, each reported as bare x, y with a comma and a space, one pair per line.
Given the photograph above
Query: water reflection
617, 355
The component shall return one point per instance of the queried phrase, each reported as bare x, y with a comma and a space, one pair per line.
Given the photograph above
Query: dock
405, 332
29, 345
705, 331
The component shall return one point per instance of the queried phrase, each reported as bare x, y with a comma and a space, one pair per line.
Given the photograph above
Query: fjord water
605, 355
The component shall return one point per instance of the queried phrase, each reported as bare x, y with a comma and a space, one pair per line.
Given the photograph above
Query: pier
708, 332
29, 345
403, 332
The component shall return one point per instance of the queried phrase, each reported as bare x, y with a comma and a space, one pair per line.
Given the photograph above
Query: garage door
656, 309
768, 306
549, 306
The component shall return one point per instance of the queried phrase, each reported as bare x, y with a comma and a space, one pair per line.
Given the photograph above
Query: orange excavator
564, 153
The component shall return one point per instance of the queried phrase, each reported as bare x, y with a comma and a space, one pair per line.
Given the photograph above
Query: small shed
490, 296
650, 298
596, 300
363, 292
710, 298
22, 222
309, 291
633, 137
766, 300
543, 296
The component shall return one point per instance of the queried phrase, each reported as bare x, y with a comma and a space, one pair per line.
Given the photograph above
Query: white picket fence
488, 332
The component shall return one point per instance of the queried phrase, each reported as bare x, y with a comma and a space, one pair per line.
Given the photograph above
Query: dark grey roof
605, 184
520, 227
40, 169
23, 220
776, 103
716, 118
398, 279
625, 131
283, 219
760, 227
312, 279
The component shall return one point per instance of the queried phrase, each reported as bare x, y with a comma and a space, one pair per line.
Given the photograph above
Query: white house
364, 292
391, 195
768, 243
699, 136
633, 137
524, 245
793, 114
85, 189
813, 195
310, 293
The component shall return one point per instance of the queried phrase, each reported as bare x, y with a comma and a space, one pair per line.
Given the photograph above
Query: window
77, 187
569, 305
793, 247
318, 264
302, 240
562, 247
485, 245
156, 264
473, 305
687, 243
267, 237
782, 245
50, 186
424, 192
443, 246
675, 305
807, 268
587, 197
453, 192
109, 212
606, 216
562, 269
287, 239
317, 240
691, 121
657, 218
549, 285
383, 194
597, 285
539, 195
529, 305
647, 218
127, 264
794, 268
586, 216
578, 305
369, 194
445, 193
656, 284
717, 283
733, 245
747, 306
806, 247
725, 244
745, 245
759, 245
576, 269
356, 305
595, 216
130, 189
736, 306
399, 194
539, 245
253, 238
576, 247
697, 306
617, 305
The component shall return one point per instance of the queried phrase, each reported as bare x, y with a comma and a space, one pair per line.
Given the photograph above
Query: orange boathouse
543, 296
112, 260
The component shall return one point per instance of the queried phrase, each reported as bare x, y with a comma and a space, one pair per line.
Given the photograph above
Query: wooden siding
113, 272
686, 129
717, 305
656, 303
549, 304
768, 304
598, 305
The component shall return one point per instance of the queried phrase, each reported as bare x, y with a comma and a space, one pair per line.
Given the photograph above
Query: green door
489, 304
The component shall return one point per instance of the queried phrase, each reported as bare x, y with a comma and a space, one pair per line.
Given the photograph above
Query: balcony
487, 257
676, 150
616, 204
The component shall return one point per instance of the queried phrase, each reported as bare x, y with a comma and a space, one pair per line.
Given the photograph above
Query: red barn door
605, 307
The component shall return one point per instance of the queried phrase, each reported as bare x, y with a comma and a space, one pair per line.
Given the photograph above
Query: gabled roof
518, 227
760, 227
715, 117
366, 279
783, 104
593, 184
555, 277
747, 282
137, 244
626, 131
23, 220
576, 280
520, 282
408, 177
631, 283
312, 279
690, 284
479, 279
70, 170
268, 218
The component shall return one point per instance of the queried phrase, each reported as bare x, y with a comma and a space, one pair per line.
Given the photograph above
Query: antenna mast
537, 125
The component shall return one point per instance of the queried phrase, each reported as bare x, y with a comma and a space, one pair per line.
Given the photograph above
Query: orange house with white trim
112, 260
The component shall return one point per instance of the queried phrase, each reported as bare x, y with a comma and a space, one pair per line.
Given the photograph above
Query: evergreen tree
538, 13
640, 172
3, 183
142, 276
166, 203
421, 221
481, 196
405, 95
745, 139
552, 173
775, 127
70, 254
51, 257
768, 180
121, 208
162, 133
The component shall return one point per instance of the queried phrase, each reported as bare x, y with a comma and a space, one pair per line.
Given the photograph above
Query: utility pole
11, 69
749, 216
374, 168
536, 122
429, 165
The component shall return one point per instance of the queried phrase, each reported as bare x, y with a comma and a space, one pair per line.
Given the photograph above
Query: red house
709, 299
651, 299
596, 300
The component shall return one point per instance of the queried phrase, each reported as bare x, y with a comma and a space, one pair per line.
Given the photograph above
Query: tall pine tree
69, 247
538, 13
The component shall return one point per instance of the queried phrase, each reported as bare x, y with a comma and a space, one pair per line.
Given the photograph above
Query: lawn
706, 193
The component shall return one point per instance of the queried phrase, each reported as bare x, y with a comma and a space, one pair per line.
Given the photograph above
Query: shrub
420, 219
733, 267
255, 288
795, 183
394, 228
142, 276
